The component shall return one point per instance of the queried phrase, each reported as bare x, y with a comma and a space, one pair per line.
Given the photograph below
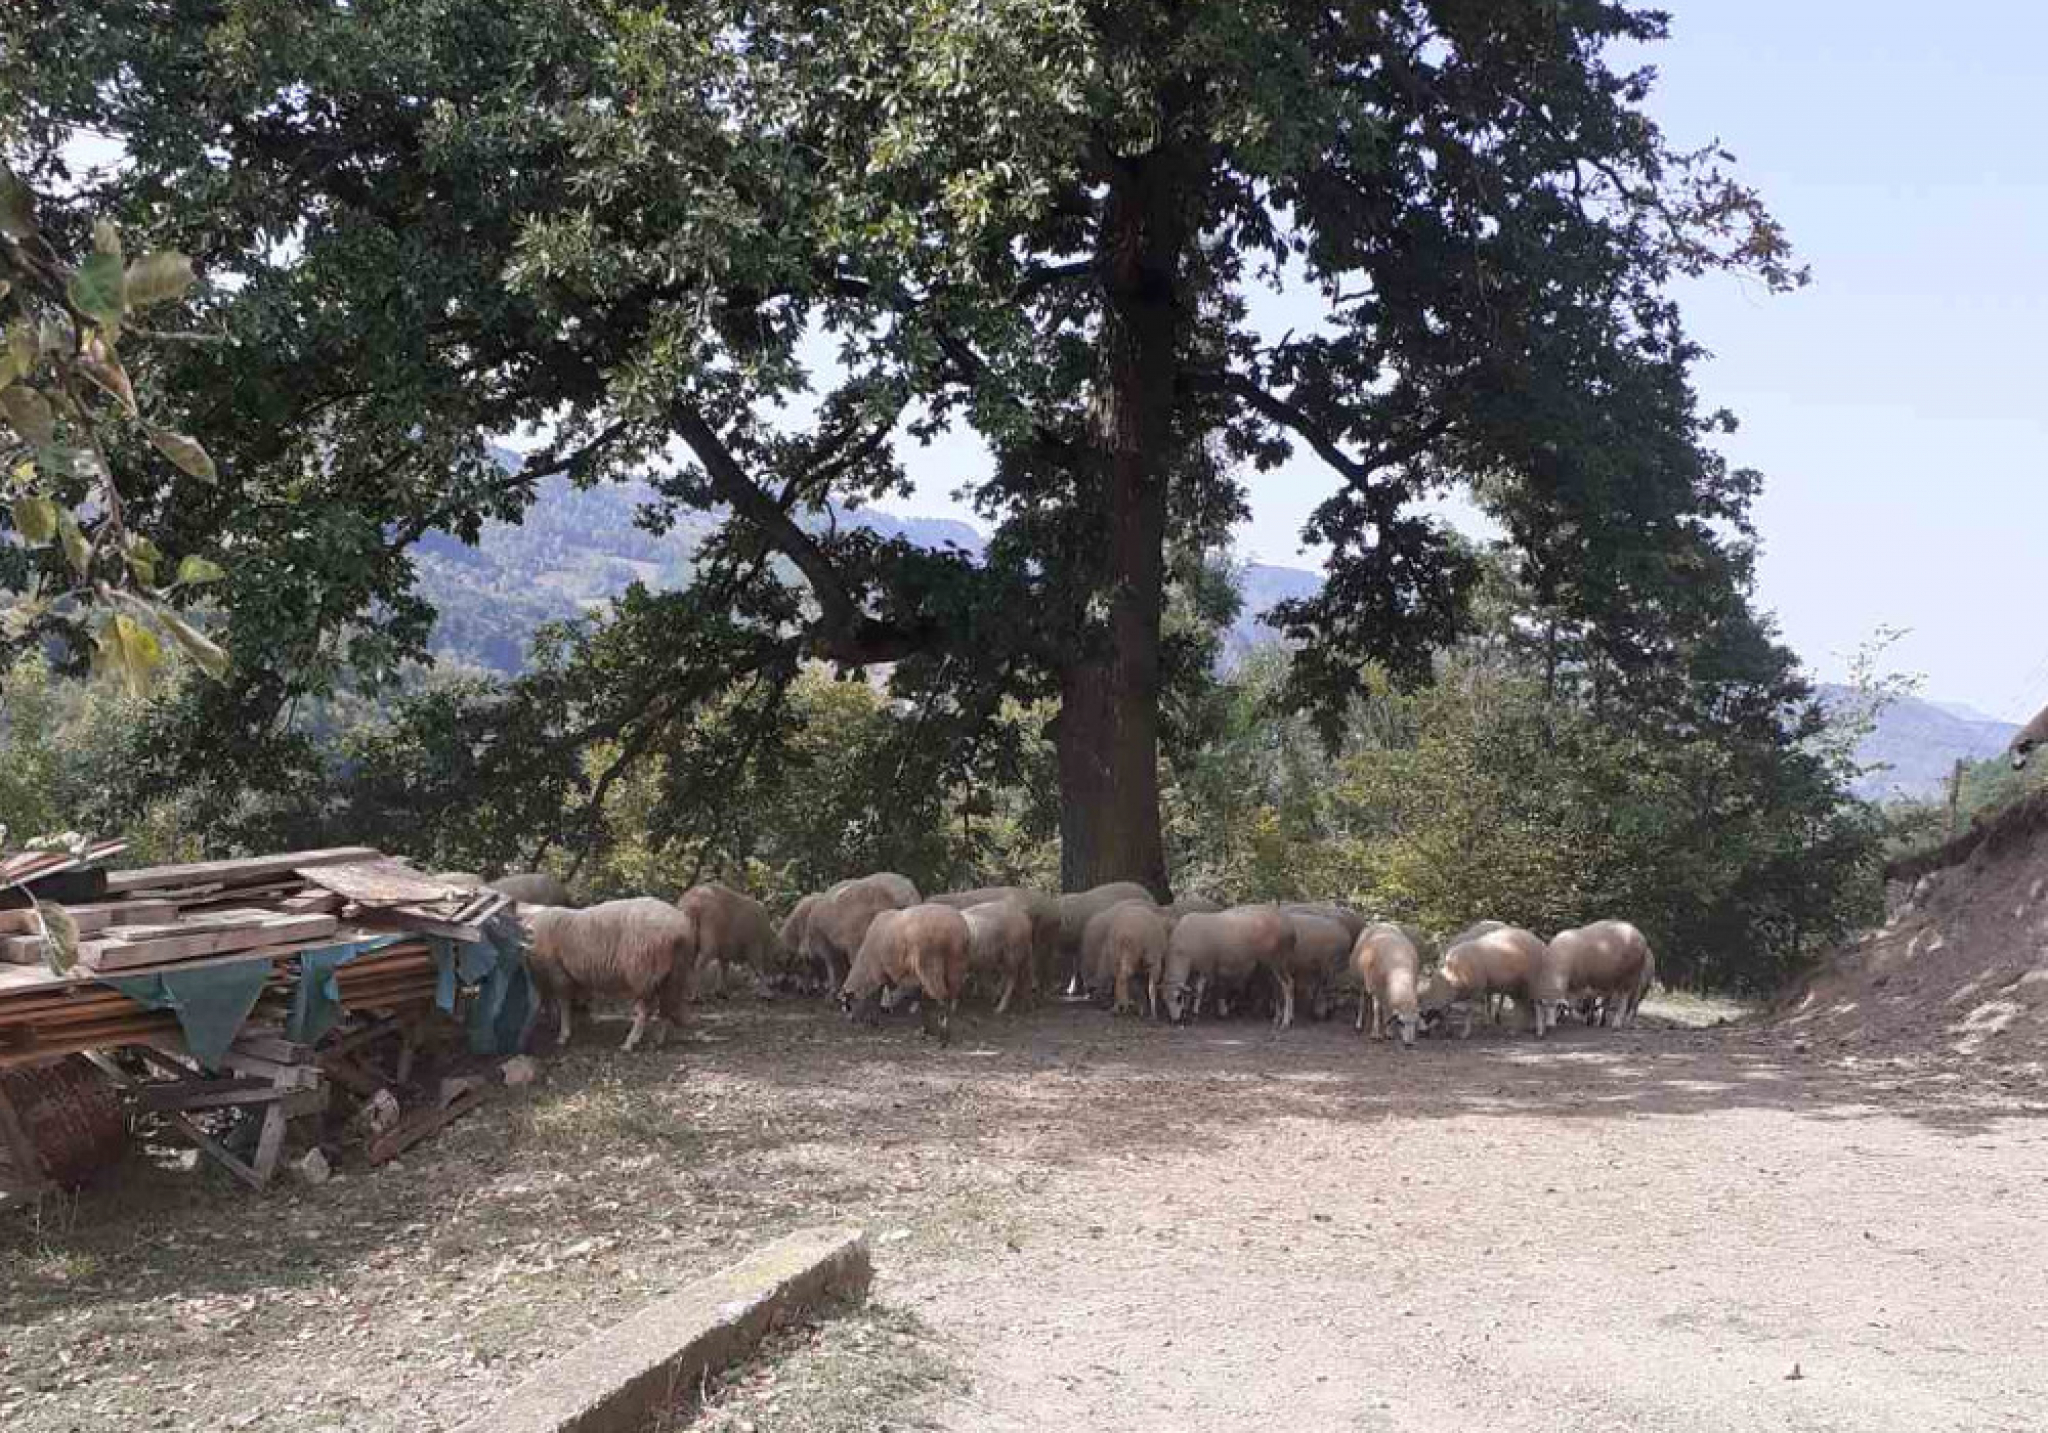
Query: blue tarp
211, 1001
316, 1003
496, 965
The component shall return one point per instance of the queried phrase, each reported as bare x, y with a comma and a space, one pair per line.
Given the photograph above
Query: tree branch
1304, 425
846, 633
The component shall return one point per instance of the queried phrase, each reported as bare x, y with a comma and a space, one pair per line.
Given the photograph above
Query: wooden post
1955, 797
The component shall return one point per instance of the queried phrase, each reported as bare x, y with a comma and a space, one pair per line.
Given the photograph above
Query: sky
1898, 406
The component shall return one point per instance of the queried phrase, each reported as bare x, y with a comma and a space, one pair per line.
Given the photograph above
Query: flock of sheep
874, 940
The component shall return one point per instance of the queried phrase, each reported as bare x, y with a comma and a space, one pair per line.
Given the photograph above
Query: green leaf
60, 931
185, 452
28, 413
22, 348
17, 206
99, 288
77, 551
195, 571
35, 519
131, 651
201, 649
158, 277
143, 556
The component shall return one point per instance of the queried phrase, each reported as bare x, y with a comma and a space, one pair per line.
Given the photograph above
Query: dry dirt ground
1091, 1224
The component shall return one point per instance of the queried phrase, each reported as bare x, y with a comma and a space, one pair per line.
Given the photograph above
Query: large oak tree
643, 227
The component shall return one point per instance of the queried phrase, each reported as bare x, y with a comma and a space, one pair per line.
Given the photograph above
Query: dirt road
1087, 1224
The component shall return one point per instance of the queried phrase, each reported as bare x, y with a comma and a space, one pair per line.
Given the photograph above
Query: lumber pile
272, 912
265, 908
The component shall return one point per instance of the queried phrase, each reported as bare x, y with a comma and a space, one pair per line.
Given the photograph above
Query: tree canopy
754, 250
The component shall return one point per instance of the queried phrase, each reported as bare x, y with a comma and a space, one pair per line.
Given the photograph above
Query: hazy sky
1899, 406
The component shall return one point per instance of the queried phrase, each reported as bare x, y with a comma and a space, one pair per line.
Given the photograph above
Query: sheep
902, 890
1225, 945
1322, 946
926, 945
1077, 908
1121, 943
644, 948
732, 931
1608, 961
532, 888
2033, 734
1354, 922
836, 925
1386, 963
1044, 911
1499, 961
793, 934
1470, 932
1000, 945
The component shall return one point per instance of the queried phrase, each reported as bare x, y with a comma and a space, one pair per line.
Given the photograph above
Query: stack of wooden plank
266, 908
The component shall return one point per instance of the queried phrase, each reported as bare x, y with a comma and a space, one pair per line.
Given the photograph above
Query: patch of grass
855, 1371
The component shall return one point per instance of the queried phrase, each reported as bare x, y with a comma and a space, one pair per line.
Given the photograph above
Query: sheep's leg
1364, 999
1152, 996
1379, 1019
1009, 989
562, 1005
1283, 1004
1201, 994
642, 1009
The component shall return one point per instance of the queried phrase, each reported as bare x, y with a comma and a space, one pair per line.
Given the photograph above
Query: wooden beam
410, 1132
254, 868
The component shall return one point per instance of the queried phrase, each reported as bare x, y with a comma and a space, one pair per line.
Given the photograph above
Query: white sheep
644, 949
1609, 961
1386, 964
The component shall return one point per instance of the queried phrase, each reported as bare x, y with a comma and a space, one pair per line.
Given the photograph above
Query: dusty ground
1089, 1224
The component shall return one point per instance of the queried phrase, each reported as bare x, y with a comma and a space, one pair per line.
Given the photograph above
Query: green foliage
58, 371
69, 752
635, 228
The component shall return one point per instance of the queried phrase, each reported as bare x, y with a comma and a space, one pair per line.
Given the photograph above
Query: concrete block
617, 1381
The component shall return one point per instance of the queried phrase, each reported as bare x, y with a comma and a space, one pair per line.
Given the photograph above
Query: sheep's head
1404, 1023
2021, 750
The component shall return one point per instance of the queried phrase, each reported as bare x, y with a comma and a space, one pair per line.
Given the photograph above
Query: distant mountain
578, 549
1918, 742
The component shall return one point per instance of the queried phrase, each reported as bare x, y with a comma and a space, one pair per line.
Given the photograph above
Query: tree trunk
1108, 732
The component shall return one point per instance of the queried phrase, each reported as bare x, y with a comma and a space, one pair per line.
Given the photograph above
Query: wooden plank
92, 918
207, 1094
144, 878
383, 882
123, 955
425, 923
312, 903
407, 1133
214, 1147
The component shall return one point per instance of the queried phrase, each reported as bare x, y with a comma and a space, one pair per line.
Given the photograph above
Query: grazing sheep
1501, 960
1386, 964
1225, 945
645, 949
795, 929
1045, 924
2033, 734
1077, 908
1494, 1002
1123, 943
1322, 947
1608, 961
902, 890
838, 923
926, 946
733, 931
1354, 922
999, 945
532, 888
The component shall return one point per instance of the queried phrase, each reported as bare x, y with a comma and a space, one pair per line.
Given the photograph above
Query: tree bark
1108, 731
